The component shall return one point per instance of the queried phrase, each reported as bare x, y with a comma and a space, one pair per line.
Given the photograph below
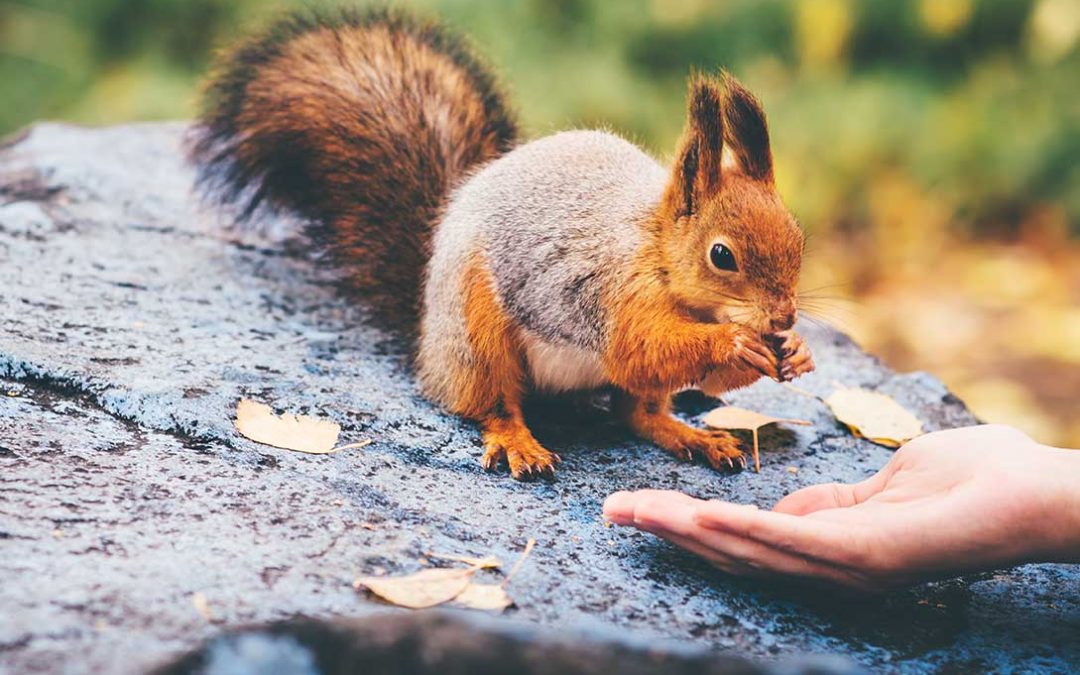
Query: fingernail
619, 508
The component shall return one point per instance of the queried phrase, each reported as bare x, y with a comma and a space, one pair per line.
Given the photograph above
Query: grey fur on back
562, 224
558, 221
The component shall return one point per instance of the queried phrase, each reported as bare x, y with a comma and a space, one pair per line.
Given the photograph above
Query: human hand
947, 503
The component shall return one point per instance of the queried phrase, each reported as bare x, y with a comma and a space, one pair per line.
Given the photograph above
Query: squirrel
574, 261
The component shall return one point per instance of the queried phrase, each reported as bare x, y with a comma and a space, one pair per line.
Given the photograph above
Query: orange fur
650, 418
492, 391
365, 121
678, 319
656, 347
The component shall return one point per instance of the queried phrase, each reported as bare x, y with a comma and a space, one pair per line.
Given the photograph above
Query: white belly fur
562, 367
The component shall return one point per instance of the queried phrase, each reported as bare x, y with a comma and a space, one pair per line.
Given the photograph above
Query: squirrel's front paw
751, 351
516, 446
794, 353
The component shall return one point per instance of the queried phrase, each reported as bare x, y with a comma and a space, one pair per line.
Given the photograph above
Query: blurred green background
930, 146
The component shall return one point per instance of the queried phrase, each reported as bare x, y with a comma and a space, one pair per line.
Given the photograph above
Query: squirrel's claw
797, 360
525, 456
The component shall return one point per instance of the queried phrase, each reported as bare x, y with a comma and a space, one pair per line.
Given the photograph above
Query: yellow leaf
730, 417
436, 586
202, 605
484, 596
352, 446
291, 432
489, 562
521, 561
426, 588
873, 416
493, 596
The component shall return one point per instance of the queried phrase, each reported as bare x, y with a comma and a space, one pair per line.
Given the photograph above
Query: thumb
816, 498
833, 495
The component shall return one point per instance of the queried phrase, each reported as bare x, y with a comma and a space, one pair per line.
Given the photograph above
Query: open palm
949, 502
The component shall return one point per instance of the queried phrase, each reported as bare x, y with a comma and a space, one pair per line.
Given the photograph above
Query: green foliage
972, 102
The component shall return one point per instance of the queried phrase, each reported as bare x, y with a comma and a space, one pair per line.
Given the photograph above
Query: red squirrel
568, 262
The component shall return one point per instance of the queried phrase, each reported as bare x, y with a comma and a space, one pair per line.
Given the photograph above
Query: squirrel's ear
697, 166
746, 132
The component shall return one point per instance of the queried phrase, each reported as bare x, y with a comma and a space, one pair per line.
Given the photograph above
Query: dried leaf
201, 605
521, 561
873, 416
730, 417
353, 446
493, 597
484, 596
490, 562
432, 587
426, 588
291, 432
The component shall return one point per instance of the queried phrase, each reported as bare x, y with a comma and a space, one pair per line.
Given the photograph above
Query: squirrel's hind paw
517, 447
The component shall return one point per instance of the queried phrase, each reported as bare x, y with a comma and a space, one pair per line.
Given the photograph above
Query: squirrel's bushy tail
361, 122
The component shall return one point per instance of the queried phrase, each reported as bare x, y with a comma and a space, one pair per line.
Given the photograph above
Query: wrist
1060, 501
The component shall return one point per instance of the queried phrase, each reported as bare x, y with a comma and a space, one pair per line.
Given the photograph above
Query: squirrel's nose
783, 321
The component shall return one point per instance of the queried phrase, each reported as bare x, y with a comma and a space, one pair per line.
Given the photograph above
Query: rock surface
441, 642
131, 322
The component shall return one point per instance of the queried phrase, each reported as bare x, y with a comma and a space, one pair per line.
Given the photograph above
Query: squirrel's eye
722, 258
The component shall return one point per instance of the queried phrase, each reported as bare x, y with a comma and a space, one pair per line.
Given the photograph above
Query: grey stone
451, 642
132, 321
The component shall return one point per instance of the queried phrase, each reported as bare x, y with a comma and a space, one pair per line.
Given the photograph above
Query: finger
668, 518
619, 506
663, 510
816, 498
674, 495
733, 554
832, 495
675, 517
714, 557
820, 540
745, 557
673, 520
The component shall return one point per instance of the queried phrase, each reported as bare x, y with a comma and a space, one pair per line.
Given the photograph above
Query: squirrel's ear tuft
746, 131
697, 167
